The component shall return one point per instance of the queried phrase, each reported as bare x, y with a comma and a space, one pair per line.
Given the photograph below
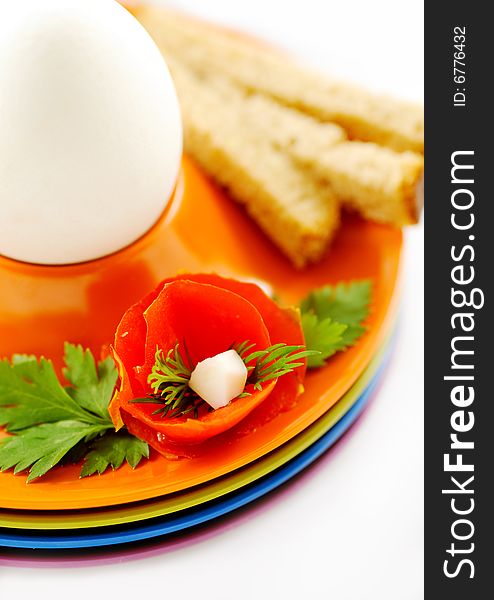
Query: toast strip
379, 183
299, 214
259, 68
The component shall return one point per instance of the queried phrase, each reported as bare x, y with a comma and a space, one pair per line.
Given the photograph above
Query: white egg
219, 379
90, 130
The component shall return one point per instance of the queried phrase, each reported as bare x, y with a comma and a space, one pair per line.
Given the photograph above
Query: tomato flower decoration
204, 315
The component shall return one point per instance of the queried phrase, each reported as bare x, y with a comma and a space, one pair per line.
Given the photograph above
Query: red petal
206, 318
191, 431
209, 313
283, 324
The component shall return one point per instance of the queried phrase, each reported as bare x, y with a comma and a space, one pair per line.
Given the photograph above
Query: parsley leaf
56, 425
346, 303
323, 335
43, 446
30, 394
112, 450
92, 385
332, 318
350, 336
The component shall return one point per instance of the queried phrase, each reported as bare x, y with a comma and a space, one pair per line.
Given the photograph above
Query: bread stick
259, 68
298, 213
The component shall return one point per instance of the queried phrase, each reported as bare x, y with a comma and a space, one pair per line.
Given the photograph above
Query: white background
351, 527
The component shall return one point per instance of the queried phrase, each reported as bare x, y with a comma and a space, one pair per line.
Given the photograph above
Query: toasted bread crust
298, 213
209, 49
289, 169
380, 184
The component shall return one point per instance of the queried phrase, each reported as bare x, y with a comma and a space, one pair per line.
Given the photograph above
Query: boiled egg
90, 130
219, 379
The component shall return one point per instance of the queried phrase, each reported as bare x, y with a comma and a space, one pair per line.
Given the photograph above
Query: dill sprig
274, 362
170, 376
169, 380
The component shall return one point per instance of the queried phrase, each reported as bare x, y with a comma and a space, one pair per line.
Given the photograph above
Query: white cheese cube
219, 379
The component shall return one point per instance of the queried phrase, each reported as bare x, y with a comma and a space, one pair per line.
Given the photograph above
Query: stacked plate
164, 496
134, 521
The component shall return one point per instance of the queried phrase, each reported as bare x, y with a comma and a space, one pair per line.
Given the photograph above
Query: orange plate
202, 230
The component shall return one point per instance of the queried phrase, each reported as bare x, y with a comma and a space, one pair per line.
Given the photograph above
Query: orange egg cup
41, 307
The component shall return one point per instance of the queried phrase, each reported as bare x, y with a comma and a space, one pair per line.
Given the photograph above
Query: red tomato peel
208, 313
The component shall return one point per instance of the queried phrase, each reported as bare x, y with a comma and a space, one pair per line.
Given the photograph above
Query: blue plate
115, 535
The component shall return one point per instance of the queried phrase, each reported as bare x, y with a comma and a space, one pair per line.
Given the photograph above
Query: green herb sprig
170, 375
52, 424
272, 363
332, 318
169, 380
